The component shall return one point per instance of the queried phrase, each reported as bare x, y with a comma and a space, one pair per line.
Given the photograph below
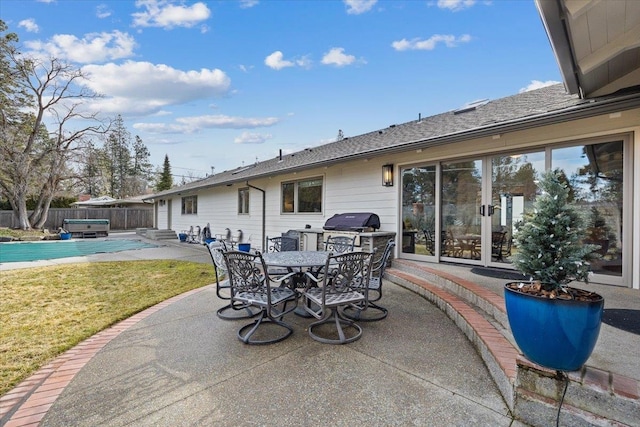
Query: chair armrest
281, 279
313, 278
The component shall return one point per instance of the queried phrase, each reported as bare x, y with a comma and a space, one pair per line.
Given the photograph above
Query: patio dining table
299, 262
296, 260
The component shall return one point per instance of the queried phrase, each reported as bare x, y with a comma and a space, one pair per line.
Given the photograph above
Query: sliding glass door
466, 210
595, 175
461, 210
513, 190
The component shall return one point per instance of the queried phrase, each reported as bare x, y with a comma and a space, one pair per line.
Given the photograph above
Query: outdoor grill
351, 225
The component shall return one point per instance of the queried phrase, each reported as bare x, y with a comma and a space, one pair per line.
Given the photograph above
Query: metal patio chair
339, 244
282, 243
344, 281
251, 285
368, 310
234, 310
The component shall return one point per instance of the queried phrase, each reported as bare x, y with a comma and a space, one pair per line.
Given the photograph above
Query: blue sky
223, 83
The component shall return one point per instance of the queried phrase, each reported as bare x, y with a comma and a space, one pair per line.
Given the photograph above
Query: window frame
189, 205
243, 201
294, 186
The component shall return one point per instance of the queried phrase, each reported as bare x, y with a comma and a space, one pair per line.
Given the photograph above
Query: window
302, 196
190, 205
243, 200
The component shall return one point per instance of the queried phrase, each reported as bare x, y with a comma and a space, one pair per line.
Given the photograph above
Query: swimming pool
35, 251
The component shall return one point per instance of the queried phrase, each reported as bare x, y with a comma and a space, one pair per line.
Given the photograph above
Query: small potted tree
554, 325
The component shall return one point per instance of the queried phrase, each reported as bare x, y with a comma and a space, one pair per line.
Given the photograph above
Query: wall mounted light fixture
387, 175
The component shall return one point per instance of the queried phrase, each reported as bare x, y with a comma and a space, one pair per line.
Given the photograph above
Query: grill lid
360, 221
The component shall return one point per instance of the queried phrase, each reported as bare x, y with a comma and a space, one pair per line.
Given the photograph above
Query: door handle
482, 210
491, 209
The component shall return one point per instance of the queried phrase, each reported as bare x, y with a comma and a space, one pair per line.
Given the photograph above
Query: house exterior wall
356, 185
351, 187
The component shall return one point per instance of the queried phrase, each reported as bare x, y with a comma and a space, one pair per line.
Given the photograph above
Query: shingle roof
546, 105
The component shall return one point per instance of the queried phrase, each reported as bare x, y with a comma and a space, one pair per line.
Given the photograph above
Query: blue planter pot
555, 333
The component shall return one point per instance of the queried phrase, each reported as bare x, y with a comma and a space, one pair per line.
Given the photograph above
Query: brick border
502, 358
28, 403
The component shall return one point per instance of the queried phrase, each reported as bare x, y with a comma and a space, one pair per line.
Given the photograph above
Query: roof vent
470, 106
242, 169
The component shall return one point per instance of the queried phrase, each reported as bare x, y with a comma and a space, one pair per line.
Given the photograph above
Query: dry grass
14, 234
45, 311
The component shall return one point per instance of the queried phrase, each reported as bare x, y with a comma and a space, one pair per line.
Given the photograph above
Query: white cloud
29, 25
197, 123
337, 57
95, 47
356, 7
537, 84
276, 61
431, 42
146, 88
246, 4
103, 11
252, 138
167, 14
455, 5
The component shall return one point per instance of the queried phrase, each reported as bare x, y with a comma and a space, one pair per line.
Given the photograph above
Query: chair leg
245, 333
341, 323
231, 312
369, 313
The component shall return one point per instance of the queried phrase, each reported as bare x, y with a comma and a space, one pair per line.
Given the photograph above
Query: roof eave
552, 16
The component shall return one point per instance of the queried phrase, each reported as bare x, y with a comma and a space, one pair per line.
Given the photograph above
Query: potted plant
553, 324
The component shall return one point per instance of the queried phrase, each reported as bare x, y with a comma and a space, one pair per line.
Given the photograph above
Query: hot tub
87, 227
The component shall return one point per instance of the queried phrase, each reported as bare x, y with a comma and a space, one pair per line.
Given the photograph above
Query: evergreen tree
550, 237
141, 167
166, 180
118, 159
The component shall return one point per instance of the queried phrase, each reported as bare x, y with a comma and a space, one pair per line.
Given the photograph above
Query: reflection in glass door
513, 190
419, 210
460, 212
450, 213
595, 175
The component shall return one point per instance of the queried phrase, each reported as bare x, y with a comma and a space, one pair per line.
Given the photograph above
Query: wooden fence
119, 218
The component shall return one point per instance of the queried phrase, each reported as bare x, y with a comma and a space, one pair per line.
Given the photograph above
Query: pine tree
166, 181
550, 237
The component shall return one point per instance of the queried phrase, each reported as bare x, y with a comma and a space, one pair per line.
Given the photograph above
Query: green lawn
45, 311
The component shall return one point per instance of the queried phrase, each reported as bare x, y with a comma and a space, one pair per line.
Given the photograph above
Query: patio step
161, 234
594, 397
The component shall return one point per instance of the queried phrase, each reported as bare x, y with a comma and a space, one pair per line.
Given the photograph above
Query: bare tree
33, 159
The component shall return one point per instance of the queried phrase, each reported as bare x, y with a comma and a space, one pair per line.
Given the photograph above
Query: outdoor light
387, 175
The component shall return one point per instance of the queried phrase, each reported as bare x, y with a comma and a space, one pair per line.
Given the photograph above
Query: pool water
34, 251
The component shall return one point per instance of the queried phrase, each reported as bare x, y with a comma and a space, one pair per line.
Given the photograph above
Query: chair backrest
215, 250
346, 272
339, 244
247, 273
381, 263
275, 243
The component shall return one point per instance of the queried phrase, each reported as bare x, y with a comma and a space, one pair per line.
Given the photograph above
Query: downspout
264, 215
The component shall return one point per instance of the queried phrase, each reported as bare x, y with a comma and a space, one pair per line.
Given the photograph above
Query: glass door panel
461, 202
513, 190
595, 176
419, 210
